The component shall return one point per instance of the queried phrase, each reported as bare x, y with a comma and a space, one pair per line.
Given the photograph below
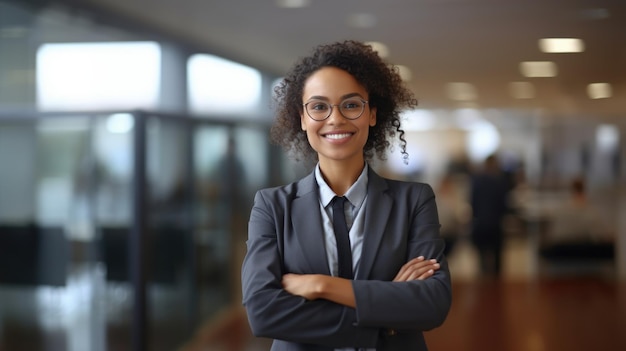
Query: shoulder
401, 188
276, 194
287, 192
412, 191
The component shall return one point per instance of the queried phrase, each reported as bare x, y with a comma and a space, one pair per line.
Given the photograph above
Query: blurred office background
134, 133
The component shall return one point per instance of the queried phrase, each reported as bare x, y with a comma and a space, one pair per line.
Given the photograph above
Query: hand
320, 286
417, 269
305, 285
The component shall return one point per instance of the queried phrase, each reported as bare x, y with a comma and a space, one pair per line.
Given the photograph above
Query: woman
340, 106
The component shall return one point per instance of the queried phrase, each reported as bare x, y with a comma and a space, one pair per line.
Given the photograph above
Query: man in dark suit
489, 201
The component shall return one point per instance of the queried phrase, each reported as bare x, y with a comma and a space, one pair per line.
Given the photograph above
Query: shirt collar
356, 194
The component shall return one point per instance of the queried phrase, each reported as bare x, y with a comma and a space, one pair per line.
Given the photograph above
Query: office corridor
520, 312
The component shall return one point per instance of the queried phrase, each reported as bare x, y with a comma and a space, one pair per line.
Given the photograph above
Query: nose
335, 114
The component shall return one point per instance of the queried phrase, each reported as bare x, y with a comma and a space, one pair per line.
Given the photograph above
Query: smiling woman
344, 259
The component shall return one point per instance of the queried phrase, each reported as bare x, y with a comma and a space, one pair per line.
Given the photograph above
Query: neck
341, 175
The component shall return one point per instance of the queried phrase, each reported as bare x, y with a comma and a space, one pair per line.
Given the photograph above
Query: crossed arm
339, 290
288, 306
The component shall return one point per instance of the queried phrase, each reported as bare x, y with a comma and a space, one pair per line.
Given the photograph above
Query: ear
372, 116
302, 123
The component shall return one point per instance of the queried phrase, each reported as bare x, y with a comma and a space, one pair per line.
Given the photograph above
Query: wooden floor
522, 311
550, 315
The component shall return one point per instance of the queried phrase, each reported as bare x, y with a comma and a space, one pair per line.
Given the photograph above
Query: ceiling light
561, 45
379, 47
535, 69
461, 91
522, 90
361, 20
599, 90
292, 4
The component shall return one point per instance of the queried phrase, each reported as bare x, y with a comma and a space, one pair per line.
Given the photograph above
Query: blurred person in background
340, 107
489, 201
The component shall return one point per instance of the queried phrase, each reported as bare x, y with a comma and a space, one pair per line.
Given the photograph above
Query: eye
318, 106
351, 104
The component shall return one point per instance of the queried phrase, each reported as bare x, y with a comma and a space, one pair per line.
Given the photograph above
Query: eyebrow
319, 97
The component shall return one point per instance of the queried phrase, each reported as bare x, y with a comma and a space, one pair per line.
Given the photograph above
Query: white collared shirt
355, 219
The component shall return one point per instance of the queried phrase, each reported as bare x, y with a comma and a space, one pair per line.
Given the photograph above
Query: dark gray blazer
285, 235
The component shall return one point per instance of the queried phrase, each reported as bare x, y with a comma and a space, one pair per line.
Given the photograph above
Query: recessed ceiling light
561, 45
361, 20
599, 90
461, 91
292, 3
522, 90
535, 69
379, 47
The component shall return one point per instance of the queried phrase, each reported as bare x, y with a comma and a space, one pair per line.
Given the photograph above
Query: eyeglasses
351, 108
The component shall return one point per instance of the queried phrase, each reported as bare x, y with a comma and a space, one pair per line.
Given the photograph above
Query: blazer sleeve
414, 305
273, 312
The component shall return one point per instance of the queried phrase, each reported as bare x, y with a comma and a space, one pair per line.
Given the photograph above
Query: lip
337, 136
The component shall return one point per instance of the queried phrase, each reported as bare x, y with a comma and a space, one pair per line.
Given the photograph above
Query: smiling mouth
338, 136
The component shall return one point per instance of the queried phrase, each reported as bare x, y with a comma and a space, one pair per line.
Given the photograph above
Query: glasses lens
318, 110
352, 108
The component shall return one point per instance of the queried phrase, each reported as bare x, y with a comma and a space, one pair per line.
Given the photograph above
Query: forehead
332, 82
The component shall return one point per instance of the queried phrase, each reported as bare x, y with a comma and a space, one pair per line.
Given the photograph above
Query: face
336, 138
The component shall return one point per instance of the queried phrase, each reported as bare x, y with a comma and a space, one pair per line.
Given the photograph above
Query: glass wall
118, 230
55, 191
71, 230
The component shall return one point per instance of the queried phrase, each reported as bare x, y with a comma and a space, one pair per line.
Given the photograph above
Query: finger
409, 268
404, 269
422, 271
412, 266
428, 274
418, 273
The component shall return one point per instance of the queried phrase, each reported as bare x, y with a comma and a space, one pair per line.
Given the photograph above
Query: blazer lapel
377, 213
307, 225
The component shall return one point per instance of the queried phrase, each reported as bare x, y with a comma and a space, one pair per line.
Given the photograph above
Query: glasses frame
365, 102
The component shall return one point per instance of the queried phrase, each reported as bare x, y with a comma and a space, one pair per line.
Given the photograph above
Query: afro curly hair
387, 93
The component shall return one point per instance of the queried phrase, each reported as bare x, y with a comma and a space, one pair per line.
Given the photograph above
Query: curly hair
387, 93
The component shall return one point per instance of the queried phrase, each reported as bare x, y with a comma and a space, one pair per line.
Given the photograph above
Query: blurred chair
166, 253
31, 255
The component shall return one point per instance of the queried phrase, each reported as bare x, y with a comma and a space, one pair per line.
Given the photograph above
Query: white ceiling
477, 41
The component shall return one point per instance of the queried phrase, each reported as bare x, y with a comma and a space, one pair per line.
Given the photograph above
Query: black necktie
344, 252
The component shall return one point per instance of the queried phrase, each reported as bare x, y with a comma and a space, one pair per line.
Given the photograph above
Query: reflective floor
524, 310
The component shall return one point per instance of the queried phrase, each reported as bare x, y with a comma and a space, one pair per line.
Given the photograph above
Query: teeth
337, 136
